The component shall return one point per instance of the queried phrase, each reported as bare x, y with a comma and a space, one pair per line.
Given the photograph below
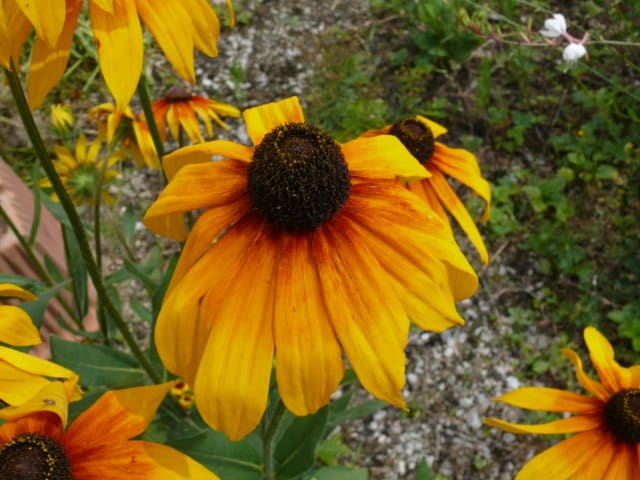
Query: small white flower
573, 52
554, 27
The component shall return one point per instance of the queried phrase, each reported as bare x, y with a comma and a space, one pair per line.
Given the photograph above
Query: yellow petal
383, 156
386, 209
14, 28
599, 465
309, 363
204, 152
436, 128
184, 324
11, 290
145, 144
206, 27
46, 16
422, 288
189, 123
119, 43
463, 166
566, 458
594, 387
264, 118
602, 359
51, 397
48, 61
16, 327
624, 465
106, 5
205, 231
171, 26
234, 399
197, 186
564, 425
551, 400
117, 415
167, 463
365, 312
34, 365
455, 206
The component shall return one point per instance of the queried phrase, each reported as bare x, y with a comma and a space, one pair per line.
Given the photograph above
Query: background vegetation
560, 144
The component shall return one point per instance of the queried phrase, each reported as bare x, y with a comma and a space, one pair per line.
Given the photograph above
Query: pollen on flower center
622, 415
416, 137
298, 178
33, 457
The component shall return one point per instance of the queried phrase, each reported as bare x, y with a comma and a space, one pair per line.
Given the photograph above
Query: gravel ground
451, 377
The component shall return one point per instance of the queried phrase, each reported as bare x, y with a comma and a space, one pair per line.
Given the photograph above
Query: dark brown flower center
416, 137
33, 457
298, 178
177, 94
622, 415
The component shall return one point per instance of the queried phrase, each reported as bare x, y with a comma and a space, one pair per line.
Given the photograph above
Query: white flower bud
554, 27
573, 52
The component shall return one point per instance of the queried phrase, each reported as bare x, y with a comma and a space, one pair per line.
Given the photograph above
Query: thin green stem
97, 237
75, 221
145, 101
42, 273
267, 442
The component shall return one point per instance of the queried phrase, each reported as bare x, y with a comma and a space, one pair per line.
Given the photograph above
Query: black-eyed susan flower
61, 117
84, 174
179, 109
129, 131
97, 445
418, 134
178, 26
323, 252
23, 375
606, 444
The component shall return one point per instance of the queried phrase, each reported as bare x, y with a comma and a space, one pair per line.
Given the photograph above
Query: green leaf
128, 224
97, 365
77, 271
330, 450
234, 460
37, 308
295, 452
339, 473
423, 472
361, 410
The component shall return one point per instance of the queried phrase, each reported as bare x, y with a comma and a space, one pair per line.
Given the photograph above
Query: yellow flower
322, 252
61, 117
22, 376
607, 424
16, 327
178, 27
81, 173
178, 108
418, 134
129, 130
97, 444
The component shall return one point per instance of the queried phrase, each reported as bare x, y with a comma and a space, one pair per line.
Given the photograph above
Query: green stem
267, 441
76, 224
145, 101
97, 234
42, 273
